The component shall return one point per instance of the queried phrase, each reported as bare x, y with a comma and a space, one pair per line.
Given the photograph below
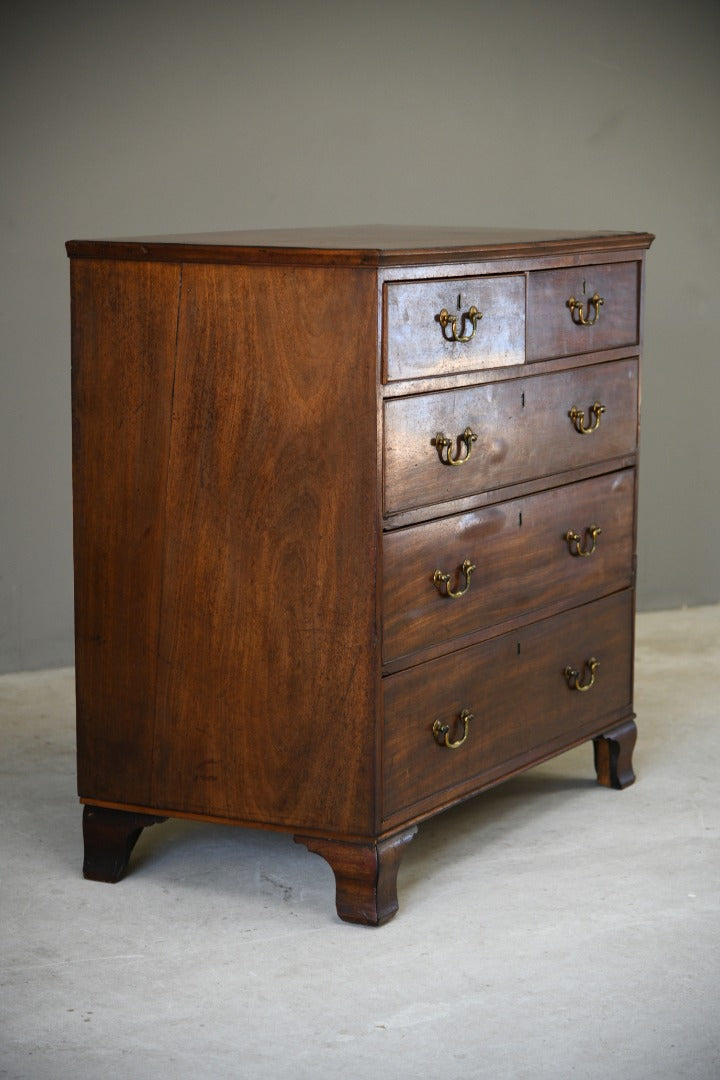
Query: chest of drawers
354, 519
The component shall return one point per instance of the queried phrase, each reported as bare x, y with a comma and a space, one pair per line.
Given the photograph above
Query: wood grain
360, 245
515, 688
416, 344
551, 329
268, 656
522, 561
123, 352
523, 431
365, 875
250, 411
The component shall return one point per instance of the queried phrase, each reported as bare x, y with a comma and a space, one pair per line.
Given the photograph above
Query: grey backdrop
153, 116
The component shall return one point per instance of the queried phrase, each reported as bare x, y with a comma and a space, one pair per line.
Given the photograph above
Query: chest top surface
358, 245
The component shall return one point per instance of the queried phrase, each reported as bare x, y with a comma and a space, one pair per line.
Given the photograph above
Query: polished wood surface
552, 331
523, 430
193, 582
417, 344
260, 505
522, 562
109, 837
360, 245
123, 348
516, 690
365, 875
613, 755
268, 606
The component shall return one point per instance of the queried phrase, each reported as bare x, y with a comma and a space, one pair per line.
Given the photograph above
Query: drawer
521, 429
521, 557
523, 705
559, 327
419, 341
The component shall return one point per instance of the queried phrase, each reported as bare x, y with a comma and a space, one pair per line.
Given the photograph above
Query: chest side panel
123, 352
266, 693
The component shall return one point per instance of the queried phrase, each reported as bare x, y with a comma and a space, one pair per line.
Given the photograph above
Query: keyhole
459, 301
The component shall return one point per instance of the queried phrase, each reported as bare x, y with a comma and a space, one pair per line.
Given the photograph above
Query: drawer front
421, 341
522, 559
521, 430
564, 319
520, 698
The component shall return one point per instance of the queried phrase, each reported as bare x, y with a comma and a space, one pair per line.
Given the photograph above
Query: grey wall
153, 116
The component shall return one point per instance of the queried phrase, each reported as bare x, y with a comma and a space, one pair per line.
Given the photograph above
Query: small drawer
431, 327
583, 309
564, 546
529, 694
505, 433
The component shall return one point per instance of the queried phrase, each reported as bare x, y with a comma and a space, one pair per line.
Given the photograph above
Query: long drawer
446, 578
532, 689
505, 432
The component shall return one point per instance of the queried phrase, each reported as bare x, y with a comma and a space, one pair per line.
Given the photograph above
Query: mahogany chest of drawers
354, 528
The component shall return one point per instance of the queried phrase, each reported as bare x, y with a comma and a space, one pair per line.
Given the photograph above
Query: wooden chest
354, 528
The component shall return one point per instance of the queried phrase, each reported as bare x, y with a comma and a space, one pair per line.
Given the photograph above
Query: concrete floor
549, 928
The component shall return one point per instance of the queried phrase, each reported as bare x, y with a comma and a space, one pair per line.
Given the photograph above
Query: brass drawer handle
577, 310
442, 731
578, 418
443, 443
574, 541
573, 675
442, 581
447, 320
